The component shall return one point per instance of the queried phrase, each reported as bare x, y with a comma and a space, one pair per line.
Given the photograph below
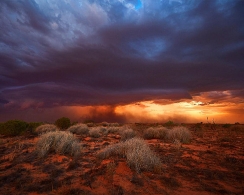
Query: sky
122, 60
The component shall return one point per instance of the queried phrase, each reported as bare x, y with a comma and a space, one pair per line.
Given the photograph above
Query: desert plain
212, 162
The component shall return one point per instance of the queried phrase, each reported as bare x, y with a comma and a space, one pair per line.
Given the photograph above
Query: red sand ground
213, 163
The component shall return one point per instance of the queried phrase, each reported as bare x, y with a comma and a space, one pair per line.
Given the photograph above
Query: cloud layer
116, 52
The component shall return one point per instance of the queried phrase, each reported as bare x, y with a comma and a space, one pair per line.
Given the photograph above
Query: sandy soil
213, 163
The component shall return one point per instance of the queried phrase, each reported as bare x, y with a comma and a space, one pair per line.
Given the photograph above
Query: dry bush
103, 130
80, 129
127, 134
137, 152
155, 133
95, 132
46, 128
113, 130
59, 142
179, 133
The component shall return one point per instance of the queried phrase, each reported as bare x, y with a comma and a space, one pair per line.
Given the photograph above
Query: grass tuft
127, 134
79, 129
59, 142
95, 132
179, 133
137, 153
46, 128
155, 133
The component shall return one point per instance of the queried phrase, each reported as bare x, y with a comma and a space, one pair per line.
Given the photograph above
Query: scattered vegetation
237, 128
58, 141
179, 133
137, 153
46, 128
226, 125
63, 123
155, 133
80, 129
13, 127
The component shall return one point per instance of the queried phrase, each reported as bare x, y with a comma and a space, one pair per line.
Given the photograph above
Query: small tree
63, 123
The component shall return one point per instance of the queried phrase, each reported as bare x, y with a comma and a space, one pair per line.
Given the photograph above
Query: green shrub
46, 128
155, 133
58, 141
179, 133
13, 127
80, 129
63, 123
32, 126
137, 153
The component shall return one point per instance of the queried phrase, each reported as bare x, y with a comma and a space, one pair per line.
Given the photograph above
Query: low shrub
179, 133
13, 127
94, 132
127, 134
155, 133
80, 129
32, 126
113, 129
105, 124
63, 123
137, 153
58, 141
46, 128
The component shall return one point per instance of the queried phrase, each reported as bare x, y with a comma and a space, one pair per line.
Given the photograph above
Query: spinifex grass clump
95, 132
46, 128
155, 133
80, 129
127, 133
137, 153
58, 141
179, 133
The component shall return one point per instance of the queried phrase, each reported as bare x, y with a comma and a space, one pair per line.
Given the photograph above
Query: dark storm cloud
117, 52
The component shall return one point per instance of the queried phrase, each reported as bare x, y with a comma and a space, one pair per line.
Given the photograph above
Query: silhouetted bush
13, 127
226, 125
63, 123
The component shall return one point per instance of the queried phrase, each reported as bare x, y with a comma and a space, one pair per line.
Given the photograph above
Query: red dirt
213, 163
